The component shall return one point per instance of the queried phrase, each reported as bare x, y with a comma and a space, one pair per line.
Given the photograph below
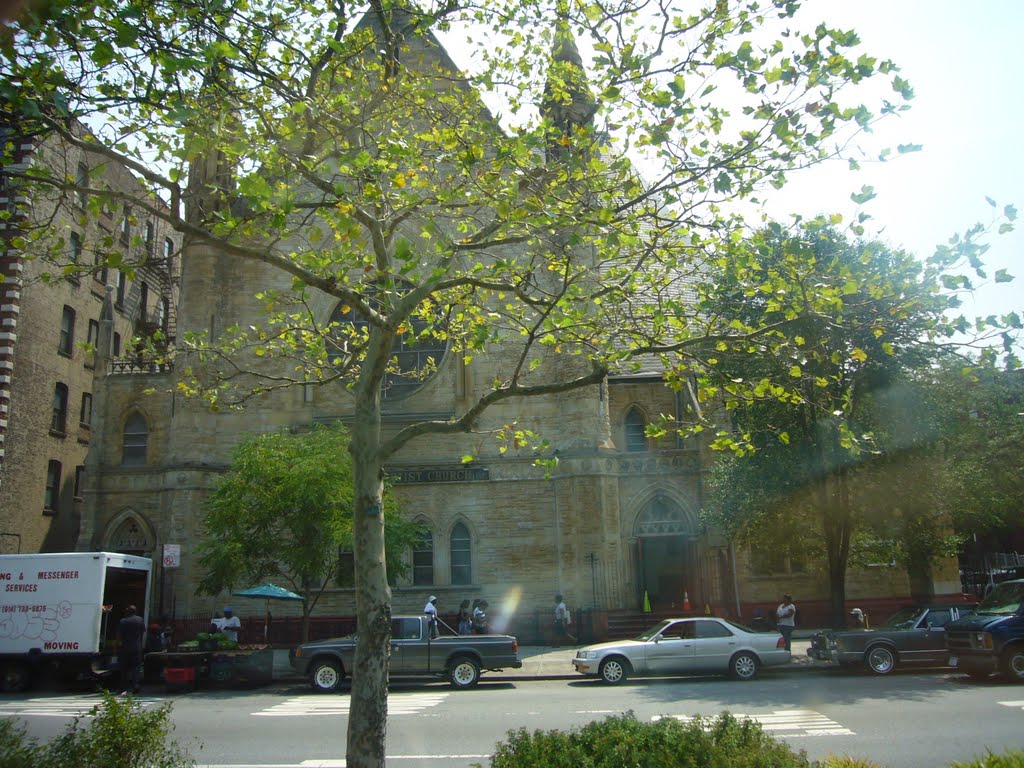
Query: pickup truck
992, 639
414, 653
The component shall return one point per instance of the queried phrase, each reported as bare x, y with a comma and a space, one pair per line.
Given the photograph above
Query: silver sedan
684, 647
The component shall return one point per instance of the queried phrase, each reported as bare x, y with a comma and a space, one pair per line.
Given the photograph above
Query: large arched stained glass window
415, 354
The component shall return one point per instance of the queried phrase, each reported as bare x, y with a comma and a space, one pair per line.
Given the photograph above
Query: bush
15, 750
1014, 759
622, 740
120, 735
843, 761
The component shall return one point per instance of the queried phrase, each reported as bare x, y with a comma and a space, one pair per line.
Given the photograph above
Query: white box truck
59, 612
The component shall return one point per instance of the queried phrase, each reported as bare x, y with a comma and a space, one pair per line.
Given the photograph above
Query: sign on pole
172, 555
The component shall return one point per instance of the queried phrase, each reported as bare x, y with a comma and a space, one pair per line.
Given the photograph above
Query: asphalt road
906, 720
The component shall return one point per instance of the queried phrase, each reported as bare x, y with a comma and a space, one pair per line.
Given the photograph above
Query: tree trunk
367, 724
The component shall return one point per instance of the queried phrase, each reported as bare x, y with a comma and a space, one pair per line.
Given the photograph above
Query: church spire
568, 103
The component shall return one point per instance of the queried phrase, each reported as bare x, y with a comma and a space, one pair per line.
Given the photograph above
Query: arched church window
415, 354
135, 440
461, 555
423, 560
636, 430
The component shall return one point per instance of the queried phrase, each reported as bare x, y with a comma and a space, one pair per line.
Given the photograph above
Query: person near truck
130, 632
480, 618
785, 619
430, 612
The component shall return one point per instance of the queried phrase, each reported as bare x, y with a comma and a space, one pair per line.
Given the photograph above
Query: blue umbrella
268, 592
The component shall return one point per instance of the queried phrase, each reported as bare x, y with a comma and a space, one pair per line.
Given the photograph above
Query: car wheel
743, 666
1012, 663
464, 672
881, 659
326, 675
16, 677
614, 670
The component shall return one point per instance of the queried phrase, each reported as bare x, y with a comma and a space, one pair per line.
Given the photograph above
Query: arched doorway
666, 534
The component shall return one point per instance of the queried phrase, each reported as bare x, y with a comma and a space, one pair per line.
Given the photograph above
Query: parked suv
992, 638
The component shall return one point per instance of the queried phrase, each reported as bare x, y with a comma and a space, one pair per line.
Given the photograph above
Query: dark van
992, 638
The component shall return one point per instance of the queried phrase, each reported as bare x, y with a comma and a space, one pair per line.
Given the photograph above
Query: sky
963, 62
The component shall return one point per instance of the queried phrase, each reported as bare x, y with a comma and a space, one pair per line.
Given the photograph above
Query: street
906, 720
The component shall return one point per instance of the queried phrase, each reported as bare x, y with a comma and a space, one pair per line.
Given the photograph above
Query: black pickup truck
414, 653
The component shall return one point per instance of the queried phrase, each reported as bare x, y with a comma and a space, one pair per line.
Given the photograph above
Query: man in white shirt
230, 625
430, 611
785, 619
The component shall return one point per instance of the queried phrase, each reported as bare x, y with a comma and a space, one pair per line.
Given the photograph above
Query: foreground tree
827, 429
351, 161
282, 512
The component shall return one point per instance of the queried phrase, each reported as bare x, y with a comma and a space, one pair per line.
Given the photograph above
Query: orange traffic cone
686, 601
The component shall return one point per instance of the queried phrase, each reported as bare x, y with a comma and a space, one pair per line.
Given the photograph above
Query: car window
938, 617
680, 630
712, 629
405, 629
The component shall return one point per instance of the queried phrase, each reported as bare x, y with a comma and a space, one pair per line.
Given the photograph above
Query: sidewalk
547, 663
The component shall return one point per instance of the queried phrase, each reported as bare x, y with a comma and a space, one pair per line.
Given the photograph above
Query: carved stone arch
662, 513
129, 532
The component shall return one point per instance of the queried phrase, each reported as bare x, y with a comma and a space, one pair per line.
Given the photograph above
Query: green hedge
622, 740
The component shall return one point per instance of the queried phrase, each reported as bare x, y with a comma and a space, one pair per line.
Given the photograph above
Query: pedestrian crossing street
789, 723
65, 706
335, 704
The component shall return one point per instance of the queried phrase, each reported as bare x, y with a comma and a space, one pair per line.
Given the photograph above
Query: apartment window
67, 331
462, 561
163, 311
122, 288
79, 482
85, 414
59, 419
116, 346
423, 560
81, 181
94, 333
52, 498
126, 226
168, 253
99, 274
135, 440
150, 234
144, 301
636, 430
75, 252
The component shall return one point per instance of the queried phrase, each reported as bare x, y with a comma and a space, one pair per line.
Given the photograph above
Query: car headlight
983, 640
586, 654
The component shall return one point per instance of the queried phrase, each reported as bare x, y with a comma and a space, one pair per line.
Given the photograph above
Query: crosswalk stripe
1012, 703
332, 704
64, 706
792, 723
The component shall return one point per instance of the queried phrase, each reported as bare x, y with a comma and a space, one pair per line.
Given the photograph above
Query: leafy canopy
282, 511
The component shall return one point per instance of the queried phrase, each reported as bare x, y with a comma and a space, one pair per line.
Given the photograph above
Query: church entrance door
666, 536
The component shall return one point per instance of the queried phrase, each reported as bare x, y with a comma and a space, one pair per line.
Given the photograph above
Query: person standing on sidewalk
430, 612
785, 617
130, 631
562, 621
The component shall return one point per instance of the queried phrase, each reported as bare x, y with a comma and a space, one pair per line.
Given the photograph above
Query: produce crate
180, 678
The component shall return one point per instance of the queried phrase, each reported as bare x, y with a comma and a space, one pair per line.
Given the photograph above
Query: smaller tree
283, 511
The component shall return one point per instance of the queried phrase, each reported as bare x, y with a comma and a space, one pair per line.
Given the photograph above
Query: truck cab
992, 638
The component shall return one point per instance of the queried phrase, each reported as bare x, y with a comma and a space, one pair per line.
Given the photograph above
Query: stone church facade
615, 525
